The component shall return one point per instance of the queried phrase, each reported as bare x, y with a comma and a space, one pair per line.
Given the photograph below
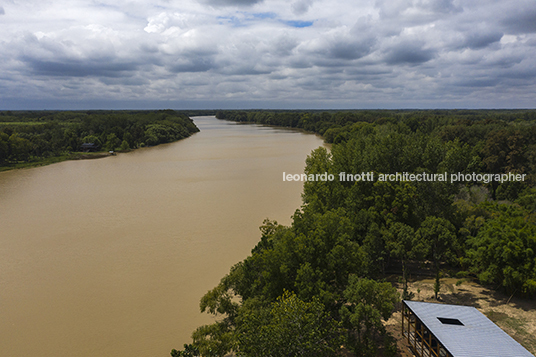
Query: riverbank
111, 253
56, 159
29, 139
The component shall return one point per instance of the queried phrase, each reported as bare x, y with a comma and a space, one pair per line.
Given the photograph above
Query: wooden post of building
430, 343
415, 335
422, 340
409, 329
403, 315
409, 332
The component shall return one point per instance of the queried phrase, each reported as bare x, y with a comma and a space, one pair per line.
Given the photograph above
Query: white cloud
371, 52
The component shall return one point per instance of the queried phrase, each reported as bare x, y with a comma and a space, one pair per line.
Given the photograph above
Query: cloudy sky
82, 54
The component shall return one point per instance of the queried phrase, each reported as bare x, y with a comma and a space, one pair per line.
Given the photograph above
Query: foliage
189, 351
291, 327
214, 340
438, 236
368, 303
404, 244
36, 136
351, 232
503, 251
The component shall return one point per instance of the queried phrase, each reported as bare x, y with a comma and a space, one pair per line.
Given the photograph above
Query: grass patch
516, 326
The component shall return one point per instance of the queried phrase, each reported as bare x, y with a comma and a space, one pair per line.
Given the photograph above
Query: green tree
368, 302
215, 340
290, 328
438, 235
527, 199
218, 339
404, 244
124, 146
503, 251
19, 148
189, 351
112, 142
71, 140
319, 194
129, 138
4, 147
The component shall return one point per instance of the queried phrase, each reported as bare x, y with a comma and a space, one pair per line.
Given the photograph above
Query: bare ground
516, 316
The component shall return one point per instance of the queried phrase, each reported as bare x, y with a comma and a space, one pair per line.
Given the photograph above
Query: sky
267, 54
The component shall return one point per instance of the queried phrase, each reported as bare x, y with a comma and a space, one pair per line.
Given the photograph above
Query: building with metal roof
440, 330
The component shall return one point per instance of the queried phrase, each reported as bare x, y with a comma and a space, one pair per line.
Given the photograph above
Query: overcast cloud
267, 54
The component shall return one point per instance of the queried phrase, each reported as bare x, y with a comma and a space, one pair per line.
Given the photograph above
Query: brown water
110, 257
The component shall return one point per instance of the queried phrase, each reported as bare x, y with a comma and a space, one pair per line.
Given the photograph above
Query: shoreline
57, 159
77, 155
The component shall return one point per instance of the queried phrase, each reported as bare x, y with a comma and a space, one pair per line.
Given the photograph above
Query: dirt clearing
516, 316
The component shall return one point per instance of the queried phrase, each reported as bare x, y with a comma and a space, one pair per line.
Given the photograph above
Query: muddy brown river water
110, 257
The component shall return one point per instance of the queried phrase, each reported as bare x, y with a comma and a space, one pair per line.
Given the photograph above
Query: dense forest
48, 136
317, 287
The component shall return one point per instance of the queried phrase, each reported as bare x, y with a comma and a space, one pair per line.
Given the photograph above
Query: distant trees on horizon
34, 136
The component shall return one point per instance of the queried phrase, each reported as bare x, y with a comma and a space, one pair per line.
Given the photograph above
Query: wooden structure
423, 343
87, 147
440, 330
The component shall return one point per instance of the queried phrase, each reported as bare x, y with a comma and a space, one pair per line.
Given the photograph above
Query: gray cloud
219, 3
523, 20
2, 12
284, 45
192, 65
79, 67
302, 53
441, 6
415, 12
350, 50
479, 82
301, 7
481, 40
521, 75
408, 53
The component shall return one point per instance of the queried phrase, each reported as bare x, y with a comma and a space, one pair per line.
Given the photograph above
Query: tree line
317, 288
34, 136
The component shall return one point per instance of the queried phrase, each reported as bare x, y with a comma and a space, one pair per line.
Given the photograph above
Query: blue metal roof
478, 337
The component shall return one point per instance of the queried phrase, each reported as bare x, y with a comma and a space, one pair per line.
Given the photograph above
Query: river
110, 257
